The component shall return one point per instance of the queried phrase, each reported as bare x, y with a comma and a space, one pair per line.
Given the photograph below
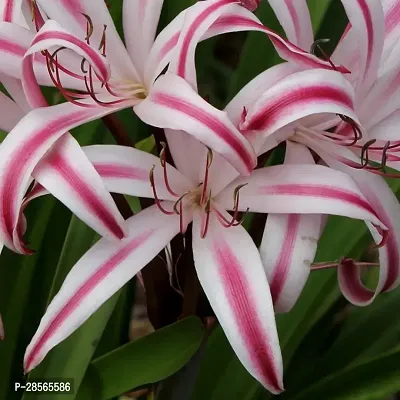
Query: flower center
107, 93
197, 198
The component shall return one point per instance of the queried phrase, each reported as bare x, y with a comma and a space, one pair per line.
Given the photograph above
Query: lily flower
227, 262
79, 49
368, 48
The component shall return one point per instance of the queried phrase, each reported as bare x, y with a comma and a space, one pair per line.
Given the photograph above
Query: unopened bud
250, 4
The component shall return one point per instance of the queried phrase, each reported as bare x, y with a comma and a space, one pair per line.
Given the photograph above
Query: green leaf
222, 376
371, 379
171, 8
148, 144
16, 276
146, 360
318, 10
370, 330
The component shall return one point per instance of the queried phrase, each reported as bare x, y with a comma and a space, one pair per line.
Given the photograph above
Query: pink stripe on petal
171, 43
282, 268
294, 16
238, 292
320, 191
191, 32
391, 246
275, 107
74, 7
392, 18
288, 49
14, 173
370, 30
8, 11
212, 123
70, 306
117, 171
12, 48
350, 282
89, 198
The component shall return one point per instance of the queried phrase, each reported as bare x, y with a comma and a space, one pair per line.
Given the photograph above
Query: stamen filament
89, 28
207, 219
163, 160
156, 199
328, 265
209, 161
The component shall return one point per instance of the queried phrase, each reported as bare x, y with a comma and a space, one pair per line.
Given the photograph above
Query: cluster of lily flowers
338, 117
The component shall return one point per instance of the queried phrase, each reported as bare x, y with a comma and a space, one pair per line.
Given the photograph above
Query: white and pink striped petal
230, 271
70, 15
387, 208
100, 273
140, 20
287, 250
300, 95
367, 22
295, 19
11, 11
69, 176
391, 10
289, 244
23, 148
173, 104
126, 170
215, 17
301, 189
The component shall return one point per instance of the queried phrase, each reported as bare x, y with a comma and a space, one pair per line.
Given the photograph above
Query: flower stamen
206, 224
102, 46
163, 161
342, 261
156, 199
209, 161
89, 28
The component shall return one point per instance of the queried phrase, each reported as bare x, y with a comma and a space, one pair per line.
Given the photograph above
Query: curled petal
126, 170
197, 21
101, 272
53, 35
299, 95
295, 19
220, 16
70, 177
70, 15
173, 104
15, 42
250, 93
230, 271
387, 208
